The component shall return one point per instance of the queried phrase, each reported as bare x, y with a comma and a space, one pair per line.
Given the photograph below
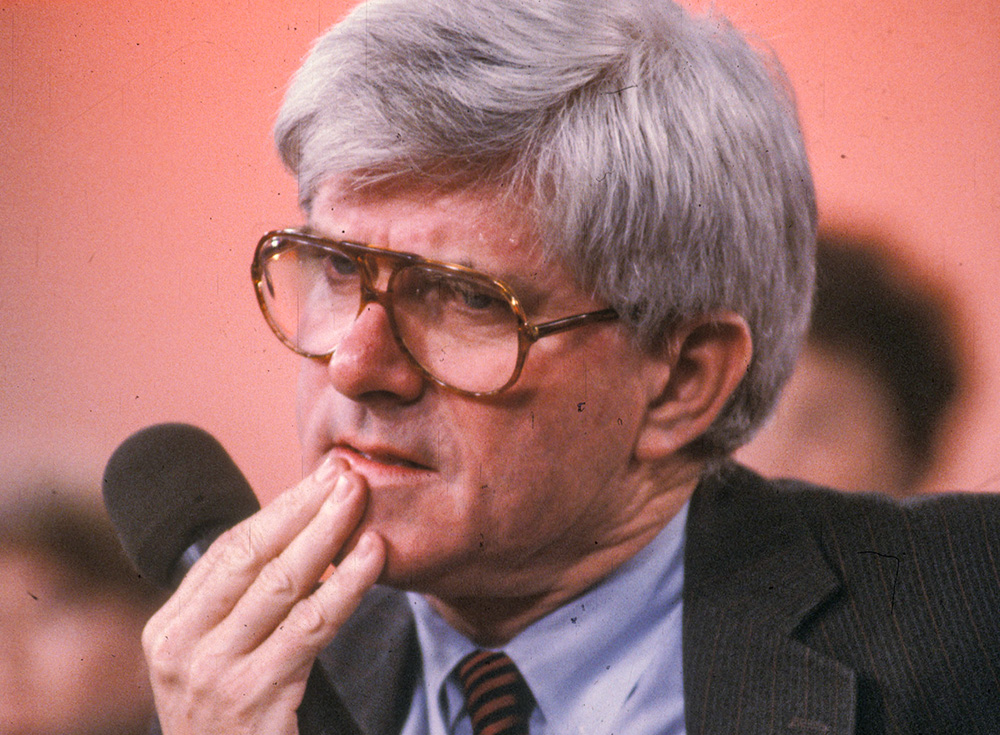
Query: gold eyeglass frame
367, 258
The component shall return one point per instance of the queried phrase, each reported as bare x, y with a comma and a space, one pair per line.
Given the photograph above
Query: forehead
470, 224
481, 227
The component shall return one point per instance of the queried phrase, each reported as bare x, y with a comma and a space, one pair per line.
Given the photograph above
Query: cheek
553, 457
306, 394
311, 392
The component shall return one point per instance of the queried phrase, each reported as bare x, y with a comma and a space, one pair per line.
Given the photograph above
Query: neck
492, 620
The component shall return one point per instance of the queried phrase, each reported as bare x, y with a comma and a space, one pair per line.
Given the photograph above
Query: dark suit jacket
805, 611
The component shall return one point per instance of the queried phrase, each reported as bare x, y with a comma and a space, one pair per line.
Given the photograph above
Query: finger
295, 572
236, 557
314, 621
215, 583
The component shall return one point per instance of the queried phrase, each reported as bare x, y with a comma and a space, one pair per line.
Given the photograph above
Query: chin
422, 569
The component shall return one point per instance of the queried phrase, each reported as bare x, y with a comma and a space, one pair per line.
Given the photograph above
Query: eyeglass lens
462, 331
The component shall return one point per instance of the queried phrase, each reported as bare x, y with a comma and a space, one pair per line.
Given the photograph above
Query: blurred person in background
71, 615
867, 403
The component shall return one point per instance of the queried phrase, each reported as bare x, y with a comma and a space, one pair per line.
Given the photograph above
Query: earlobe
690, 382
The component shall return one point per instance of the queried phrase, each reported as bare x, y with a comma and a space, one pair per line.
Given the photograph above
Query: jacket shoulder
916, 612
901, 595
940, 532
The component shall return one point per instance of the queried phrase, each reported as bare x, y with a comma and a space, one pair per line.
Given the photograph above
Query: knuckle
255, 536
162, 661
156, 643
236, 548
278, 581
310, 619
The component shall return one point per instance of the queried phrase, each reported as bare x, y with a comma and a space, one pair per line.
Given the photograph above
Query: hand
231, 650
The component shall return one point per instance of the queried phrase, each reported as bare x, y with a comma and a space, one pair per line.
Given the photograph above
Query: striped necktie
496, 695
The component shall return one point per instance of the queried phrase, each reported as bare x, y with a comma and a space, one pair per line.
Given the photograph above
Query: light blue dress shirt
607, 663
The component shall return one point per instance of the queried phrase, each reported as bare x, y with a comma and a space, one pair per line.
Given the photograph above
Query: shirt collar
589, 650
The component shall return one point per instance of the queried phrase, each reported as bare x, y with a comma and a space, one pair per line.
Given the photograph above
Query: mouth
370, 457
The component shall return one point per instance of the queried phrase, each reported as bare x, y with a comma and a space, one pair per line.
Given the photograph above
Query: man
556, 266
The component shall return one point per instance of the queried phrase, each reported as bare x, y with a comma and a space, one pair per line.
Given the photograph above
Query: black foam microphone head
168, 486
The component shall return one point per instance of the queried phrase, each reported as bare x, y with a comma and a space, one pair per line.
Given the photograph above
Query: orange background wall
136, 174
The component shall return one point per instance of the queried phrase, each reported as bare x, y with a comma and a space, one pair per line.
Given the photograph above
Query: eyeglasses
462, 329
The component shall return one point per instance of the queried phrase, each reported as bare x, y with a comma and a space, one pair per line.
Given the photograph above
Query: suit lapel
374, 662
753, 574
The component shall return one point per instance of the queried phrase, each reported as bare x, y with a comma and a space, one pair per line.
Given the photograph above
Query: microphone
171, 490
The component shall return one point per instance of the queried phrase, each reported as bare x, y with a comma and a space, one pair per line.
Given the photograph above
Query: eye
468, 296
439, 292
338, 264
475, 297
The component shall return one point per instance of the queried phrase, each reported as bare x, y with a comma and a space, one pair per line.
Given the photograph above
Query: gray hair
661, 153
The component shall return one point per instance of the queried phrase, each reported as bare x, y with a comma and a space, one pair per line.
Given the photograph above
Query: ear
689, 382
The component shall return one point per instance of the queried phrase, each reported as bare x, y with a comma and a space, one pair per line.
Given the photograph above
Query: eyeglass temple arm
537, 331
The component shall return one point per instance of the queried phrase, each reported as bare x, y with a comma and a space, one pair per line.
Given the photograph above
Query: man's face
477, 495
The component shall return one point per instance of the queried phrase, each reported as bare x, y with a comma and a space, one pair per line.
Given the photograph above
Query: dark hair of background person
868, 308
50, 522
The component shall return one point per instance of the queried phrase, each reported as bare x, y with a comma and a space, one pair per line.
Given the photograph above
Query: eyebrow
527, 293
316, 232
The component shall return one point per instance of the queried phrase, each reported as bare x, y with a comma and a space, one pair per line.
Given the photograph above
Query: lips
363, 457
391, 459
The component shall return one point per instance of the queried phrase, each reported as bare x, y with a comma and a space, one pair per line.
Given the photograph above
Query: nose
369, 363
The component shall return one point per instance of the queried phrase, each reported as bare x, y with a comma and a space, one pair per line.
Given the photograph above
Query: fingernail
342, 489
365, 547
326, 470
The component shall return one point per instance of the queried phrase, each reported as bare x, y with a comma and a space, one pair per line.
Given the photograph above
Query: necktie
496, 695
